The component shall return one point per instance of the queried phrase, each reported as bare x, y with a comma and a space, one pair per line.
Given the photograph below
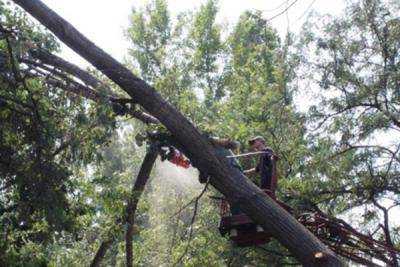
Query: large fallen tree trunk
231, 182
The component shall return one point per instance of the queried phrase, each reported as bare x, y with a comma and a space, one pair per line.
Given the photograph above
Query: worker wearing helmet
266, 164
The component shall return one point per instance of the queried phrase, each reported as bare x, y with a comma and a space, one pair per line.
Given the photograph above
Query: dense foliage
354, 124
46, 138
67, 165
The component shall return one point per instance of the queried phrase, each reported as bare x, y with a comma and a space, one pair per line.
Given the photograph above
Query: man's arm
271, 154
250, 171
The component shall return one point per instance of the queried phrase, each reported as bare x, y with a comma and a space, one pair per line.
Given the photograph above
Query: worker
224, 147
266, 164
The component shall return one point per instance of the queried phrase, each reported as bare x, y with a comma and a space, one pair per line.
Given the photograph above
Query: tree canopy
74, 189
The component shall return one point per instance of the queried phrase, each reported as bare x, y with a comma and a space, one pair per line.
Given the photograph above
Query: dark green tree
46, 136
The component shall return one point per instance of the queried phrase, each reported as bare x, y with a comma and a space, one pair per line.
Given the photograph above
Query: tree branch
229, 181
101, 252
196, 204
137, 190
93, 94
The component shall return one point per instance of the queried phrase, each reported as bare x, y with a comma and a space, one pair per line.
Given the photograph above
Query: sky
104, 21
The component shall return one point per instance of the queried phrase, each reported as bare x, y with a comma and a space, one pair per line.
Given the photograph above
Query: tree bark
101, 252
55, 61
52, 60
229, 181
137, 190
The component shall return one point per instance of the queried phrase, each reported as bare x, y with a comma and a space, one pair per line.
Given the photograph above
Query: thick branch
53, 60
386, 230
137, 190
355, 147
101, 252
229, 181
77, 88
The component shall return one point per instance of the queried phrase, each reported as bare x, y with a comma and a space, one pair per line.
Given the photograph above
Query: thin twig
196, 204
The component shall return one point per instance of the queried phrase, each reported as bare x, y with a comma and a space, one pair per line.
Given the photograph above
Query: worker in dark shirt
266, 164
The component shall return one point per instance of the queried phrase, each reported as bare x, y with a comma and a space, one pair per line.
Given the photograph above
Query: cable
287, 19
276, 8
307, 10
285, 10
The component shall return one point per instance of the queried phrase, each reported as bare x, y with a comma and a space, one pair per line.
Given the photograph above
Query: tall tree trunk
101, 252
231, 182
137, 190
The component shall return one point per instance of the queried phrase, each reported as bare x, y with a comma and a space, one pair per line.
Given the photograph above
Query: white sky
103, 21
